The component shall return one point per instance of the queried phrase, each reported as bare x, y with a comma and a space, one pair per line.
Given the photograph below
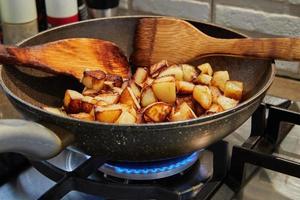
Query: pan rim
162, 125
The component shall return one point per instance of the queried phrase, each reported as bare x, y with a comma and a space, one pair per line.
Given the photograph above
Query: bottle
82, 10
61, 12
102, 8
42, 16
19, 20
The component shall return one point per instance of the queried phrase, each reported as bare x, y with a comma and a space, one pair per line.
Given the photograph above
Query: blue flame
152, 169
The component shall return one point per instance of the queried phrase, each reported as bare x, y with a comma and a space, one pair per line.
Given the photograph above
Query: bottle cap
102, 4
18, 11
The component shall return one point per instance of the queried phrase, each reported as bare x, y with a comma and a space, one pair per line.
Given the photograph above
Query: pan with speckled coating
29, 89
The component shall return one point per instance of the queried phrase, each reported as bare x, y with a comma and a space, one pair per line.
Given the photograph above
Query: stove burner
149, 170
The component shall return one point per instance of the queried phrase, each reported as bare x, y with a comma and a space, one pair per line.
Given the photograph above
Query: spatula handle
275, 48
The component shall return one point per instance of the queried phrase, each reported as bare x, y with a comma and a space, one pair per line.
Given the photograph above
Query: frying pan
43, 135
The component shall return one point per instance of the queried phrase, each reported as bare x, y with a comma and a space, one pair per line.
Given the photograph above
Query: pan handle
30, 139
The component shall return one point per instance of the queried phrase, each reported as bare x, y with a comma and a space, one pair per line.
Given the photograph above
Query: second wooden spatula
69, 56
178, 41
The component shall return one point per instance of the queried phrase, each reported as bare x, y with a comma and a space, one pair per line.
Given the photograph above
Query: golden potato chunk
202, 95
108, 114
135, 89
89, 92
204, 79
205, 69
83, 116
184, 87
174, 70
215, 92
182, 112
140, 75
189, 72
108, 98
157, 68
114, 80
164, 89
127, 97
227, 103
234, 89
126, 118
219, 79
93, 79
187, 99
72, 101
157, 112
147, 96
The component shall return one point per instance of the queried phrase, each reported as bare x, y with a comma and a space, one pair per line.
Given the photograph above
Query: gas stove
221, 171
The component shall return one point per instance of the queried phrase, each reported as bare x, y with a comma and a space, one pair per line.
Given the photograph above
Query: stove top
220, 172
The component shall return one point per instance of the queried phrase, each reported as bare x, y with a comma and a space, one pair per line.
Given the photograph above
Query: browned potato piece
215, 108
219, 79
108, 98
184, 87
108, 114
187, 99
126, 118
140, 75
72, 101
148, 81
174, 70
233, 89
83, 116
89, 92
182, 112
215, 92
115, 80
135, 89
157, 112
189, 72
202, 95
204, 79
127, 97
56, 111
157, 68
147, 96
227, 103
93, 79
205, 69
125, 84
117, 90
87, 104
164, 89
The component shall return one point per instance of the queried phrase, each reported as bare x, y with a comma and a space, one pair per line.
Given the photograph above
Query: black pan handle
30, 139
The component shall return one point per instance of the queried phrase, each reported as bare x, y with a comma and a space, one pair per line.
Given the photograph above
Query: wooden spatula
178, 41
69, 56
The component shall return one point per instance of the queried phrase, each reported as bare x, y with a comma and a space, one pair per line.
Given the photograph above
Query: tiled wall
259, 18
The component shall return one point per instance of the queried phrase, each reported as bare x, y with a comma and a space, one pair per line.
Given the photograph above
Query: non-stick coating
29, 89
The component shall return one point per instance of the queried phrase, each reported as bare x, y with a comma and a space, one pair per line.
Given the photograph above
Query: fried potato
205, 69
203, 96
126, 118
214, 108
187, 99
174, 70
184, 87
219, 79
157, 112
114, 80
189, 72
127, 97
87, 104
83, 116
203, 79
215, 92
182, 112
155, 69
93, 79
147, 96
109, 98
89, 92
72, 101
108, 114
140, 75
135, 89
233, 89
164, 89
227, 103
